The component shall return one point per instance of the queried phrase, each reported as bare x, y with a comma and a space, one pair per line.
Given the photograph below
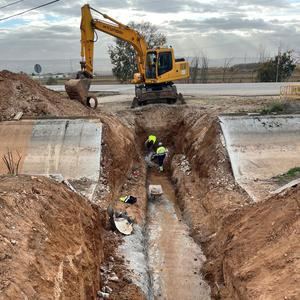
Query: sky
239, 30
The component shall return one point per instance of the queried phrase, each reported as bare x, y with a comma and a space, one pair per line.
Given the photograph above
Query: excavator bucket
78, 89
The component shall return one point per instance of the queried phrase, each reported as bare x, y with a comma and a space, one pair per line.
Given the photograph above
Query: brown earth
51, 241
252, 250
256, 252
20, 93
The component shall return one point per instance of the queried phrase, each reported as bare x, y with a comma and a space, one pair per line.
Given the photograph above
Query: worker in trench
161, 153
150, 142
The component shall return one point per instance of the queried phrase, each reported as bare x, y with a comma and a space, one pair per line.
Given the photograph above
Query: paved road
213, 89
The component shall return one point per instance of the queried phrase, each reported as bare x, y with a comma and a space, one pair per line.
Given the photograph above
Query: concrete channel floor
70, 147
261, 147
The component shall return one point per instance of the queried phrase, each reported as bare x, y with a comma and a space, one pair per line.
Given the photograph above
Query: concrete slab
293, 183
71, 147
261, 147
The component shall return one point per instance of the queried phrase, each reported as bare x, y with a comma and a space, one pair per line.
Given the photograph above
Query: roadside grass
273, 108
290, 175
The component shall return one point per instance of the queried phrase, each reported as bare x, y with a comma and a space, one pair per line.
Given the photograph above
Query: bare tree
226, 67
12, 163
195, 68
263, 55
204, 68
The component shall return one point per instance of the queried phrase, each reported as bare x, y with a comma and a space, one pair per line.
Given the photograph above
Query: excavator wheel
92, 102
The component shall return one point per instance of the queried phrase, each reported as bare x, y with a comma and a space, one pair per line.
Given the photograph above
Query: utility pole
278, 62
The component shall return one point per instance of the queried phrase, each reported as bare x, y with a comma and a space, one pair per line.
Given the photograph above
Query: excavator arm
114, 28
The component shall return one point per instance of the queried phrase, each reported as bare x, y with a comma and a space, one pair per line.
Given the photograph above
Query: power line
28, 10
10, 4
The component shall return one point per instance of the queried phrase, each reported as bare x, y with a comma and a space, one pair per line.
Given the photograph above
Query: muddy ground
252, 250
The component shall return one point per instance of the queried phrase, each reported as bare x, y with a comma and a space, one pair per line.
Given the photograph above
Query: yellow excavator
157, 68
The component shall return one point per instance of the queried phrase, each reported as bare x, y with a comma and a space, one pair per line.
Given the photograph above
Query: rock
103, 295
110, 266
127, 279
5, 256
107, 289
111, 258
103, 269
35, 190
14, 242
113, 278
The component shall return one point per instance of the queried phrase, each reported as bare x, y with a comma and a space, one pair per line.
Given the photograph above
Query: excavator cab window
151, 65
164, 62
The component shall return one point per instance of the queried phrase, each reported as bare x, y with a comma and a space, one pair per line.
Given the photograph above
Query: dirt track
252, 251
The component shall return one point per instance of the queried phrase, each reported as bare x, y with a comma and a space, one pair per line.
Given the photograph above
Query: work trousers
161, 158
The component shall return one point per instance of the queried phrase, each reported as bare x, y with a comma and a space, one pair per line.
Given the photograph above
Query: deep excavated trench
162, 252
174, 259
198, 169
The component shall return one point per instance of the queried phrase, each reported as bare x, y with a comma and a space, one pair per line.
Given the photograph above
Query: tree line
123, 59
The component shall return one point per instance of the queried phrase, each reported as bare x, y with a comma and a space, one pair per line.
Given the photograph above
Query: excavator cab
161, 68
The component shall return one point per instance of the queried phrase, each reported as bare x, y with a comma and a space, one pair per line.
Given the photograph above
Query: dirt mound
18, 92
256, 251
51, 241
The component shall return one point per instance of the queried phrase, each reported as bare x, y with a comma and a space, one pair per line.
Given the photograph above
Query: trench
174, 259
164, 251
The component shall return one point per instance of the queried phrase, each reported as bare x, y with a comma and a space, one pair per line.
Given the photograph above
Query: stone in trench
107, 289
103, 295
114, 278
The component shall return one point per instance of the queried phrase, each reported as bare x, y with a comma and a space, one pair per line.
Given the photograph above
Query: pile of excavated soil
51, 241
18, 93
255, 254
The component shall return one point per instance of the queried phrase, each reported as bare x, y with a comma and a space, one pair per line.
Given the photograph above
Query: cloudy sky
221, 29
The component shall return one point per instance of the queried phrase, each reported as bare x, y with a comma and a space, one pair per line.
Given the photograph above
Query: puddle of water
174, 259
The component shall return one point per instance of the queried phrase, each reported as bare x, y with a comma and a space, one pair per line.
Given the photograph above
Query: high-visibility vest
161, 150
124, 199
152, 138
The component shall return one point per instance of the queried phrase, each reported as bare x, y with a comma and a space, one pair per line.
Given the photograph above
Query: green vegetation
276, 107
51, 81
290, 175
123, 56
277, 69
